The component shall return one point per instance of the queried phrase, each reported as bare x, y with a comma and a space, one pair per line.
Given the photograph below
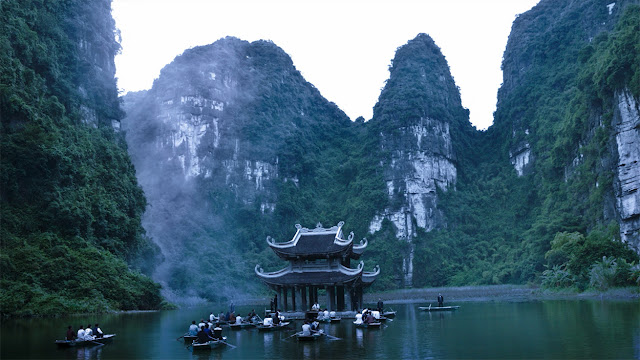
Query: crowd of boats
207, 334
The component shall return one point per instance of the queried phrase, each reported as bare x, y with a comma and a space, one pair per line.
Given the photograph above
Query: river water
550, 329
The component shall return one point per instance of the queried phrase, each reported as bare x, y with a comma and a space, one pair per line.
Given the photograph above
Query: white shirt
306, 329
267, 322
212, 317
333, 314
326, 314
238, 320
358, 319
80, 334
376, 314
88, 334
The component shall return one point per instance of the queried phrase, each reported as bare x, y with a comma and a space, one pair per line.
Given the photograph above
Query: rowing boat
373, 325
280, 326
389, 314
212, 344
438, 308
311, 337
188, 339
244, 325
77, 342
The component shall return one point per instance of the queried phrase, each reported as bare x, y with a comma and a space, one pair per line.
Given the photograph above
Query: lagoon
552, 329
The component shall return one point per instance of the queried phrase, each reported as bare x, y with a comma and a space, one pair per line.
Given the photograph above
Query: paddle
180, 337
296, 333
95, 342
226, 343
327, 335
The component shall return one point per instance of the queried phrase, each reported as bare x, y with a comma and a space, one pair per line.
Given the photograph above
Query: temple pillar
293, 298
281, 299
340, 297
303, 294
331, 298
360, 298
315, 295
284, 298
348, 299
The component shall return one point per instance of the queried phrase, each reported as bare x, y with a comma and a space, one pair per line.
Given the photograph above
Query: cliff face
627, 185
220, 132
417, 115
69, 192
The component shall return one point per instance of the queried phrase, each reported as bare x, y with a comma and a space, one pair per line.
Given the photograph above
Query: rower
238, 320
203, 338
306, 328
315, 325
358, 319
440, 300
193, 329
380, 304
207, 330
70, 334
212, 317
268, 321
97, 331
232, 317
217, 332
201, 324
276, 318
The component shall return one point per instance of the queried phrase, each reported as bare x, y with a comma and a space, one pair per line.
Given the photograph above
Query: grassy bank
496, 292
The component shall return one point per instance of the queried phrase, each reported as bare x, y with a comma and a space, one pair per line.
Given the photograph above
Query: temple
319, 259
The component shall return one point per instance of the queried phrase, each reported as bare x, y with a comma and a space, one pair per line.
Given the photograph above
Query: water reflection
360, 337
85, 353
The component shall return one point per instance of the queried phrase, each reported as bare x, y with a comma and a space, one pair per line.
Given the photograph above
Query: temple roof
318, 243
311, 275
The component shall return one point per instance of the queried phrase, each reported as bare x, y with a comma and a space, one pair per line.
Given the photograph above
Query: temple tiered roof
318, 243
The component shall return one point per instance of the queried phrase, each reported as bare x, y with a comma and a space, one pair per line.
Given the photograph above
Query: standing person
232, 307
440, 300
380, 304
276, 317
70, 333
275, 302
212, 317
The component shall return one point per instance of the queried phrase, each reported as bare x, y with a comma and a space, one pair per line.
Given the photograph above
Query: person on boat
238, 320
227, 316
370, 318
440, 300
315, 307
268, 321
203, 338
81, 333
232, 307
217, 333
251, 315
380, 304
71, 335
325, 314
97, 332
358, 319
276, 318
221, 316
212, 317
201, 324
232, 317
193, 329
207, 330
315, 325
332, 314
306, 328
88, 333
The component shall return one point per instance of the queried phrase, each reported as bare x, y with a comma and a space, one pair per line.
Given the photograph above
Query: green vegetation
71, 206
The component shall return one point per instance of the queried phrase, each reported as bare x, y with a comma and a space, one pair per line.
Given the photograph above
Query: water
558, 329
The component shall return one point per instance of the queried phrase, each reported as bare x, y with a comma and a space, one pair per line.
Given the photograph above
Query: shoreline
497, 293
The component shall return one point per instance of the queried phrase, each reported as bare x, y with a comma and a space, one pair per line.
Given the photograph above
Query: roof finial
318, 225
298, 226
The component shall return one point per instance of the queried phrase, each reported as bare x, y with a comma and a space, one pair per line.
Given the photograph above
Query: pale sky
343, 47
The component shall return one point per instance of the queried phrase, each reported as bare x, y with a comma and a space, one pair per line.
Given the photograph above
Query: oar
327, 335
226, 343
180, 337
294, 334
95, 342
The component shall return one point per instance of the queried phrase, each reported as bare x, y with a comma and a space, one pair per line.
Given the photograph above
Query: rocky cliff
222, 130
417, 115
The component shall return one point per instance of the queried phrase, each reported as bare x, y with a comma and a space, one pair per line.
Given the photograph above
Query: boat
244, 325
373, 325
97, 341
335, 319
212, 344
389, 314
438, 308
188, 339
280, 326
311, 337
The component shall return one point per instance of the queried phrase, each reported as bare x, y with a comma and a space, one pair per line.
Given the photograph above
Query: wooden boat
335, 319
373, 325
244, 325
280, 326
206, 346
97, 341
312, 337
438, 308
389, 314
188, 339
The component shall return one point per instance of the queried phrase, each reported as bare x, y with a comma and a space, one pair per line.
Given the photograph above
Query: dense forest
71, 205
